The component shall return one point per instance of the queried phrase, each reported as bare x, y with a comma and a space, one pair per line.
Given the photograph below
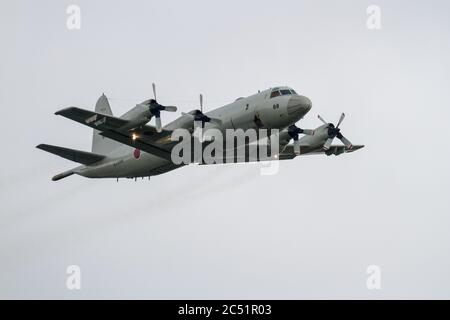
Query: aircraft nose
298, 105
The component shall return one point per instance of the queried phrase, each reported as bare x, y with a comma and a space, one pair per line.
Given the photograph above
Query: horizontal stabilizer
63, 175
82, 157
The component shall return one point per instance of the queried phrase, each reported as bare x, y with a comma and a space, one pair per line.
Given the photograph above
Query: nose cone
298, 106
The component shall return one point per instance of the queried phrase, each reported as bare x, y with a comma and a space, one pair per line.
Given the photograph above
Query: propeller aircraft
129, 147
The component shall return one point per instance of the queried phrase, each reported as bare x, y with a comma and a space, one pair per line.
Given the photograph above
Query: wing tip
62, 111
355, 147
42, 146
62, 175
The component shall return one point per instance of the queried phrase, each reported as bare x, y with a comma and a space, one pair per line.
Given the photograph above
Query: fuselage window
275, 94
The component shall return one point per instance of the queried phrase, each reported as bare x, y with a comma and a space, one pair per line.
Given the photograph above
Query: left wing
140, 142
145, 138
99, 121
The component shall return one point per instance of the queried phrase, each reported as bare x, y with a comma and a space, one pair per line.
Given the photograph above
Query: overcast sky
209, 232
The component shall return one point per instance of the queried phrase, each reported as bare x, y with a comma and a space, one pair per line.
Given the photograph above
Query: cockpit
276, 92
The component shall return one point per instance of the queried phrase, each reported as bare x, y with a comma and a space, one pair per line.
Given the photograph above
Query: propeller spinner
293, 132
200, 118
335, 132
155, 109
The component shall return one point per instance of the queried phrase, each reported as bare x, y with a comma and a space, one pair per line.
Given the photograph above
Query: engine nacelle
137, 117
317, 139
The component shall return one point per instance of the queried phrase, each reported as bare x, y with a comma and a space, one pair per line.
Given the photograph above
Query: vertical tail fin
100, 144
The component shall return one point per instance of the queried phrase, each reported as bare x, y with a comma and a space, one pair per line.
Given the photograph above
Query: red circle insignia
137, 153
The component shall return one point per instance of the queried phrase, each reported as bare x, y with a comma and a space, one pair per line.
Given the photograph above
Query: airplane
128, 147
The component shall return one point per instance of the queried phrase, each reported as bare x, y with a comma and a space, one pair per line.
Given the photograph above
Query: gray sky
226, 231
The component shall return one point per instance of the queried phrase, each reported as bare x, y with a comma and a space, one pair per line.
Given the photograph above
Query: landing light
134, 136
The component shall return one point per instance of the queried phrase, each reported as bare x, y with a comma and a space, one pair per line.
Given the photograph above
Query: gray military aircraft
128, 147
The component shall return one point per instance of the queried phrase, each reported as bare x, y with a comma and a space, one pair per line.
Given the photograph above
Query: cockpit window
281, 92
275, 94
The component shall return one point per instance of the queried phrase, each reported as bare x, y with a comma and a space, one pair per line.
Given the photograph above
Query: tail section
100, 144
82, 157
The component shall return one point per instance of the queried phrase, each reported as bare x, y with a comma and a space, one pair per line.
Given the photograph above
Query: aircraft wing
103, 122
92, 119
141, 142
288, 153
145, 138
149, 140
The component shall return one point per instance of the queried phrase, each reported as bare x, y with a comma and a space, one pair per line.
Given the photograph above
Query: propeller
155, 109
293, 132
335, 132
200, 118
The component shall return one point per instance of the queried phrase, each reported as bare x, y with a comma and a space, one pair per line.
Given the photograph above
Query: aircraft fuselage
257, 111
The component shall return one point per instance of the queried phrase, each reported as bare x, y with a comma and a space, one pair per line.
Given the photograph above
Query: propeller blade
346, 142
201, 102
158, 124
170, 108
340, 119
328, 143
154, 90
297, 146
321, 119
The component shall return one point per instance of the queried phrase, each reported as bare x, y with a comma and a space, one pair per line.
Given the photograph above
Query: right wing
288, 153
